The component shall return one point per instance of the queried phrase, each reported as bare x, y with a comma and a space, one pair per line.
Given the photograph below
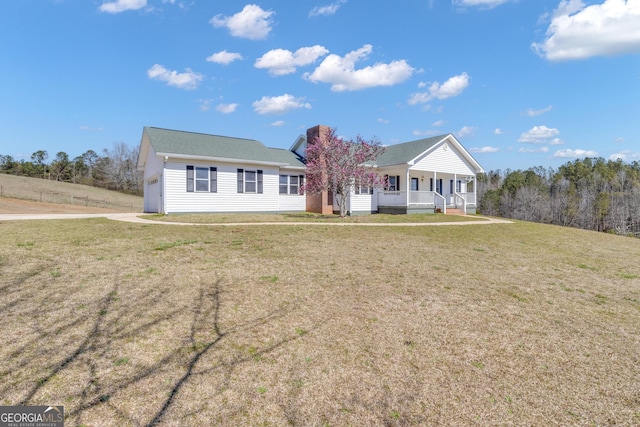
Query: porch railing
425, 198
392, 198
469, 198
399, 198
422, 198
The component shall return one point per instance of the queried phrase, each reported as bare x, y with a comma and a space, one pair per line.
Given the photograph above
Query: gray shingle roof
166, 141
403, 153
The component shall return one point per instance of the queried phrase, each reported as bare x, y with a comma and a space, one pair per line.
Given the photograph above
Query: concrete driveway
135, 218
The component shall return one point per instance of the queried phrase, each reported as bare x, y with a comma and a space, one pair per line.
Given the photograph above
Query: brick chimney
321, 203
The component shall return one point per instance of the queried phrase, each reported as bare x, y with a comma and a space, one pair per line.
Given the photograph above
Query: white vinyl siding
152, 182
444, 160
227, 199
363, 202
290, 199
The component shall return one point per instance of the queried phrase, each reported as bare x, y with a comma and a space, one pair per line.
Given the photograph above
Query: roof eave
299, 140
223, 159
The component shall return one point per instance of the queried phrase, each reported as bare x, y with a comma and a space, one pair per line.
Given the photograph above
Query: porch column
408, 188
475, 185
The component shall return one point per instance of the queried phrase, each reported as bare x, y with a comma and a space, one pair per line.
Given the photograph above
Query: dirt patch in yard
18, 206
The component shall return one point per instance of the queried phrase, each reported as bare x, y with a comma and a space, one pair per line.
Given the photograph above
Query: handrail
444, 201
464, 201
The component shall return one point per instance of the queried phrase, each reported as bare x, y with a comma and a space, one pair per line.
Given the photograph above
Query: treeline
115, 169
591, 193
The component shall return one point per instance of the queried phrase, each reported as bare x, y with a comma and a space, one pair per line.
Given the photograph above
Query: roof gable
404, 153
413, 151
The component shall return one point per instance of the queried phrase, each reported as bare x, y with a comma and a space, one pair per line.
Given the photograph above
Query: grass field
53, 192
138, 325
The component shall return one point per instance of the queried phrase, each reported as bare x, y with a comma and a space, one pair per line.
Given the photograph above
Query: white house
186, 172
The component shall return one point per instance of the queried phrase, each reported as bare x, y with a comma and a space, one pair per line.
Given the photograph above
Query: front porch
430, 202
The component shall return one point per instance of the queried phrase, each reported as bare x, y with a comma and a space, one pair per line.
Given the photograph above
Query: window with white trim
393, 182
202, 179
249, 181
414, 184
363, 189
290, 184
284, 184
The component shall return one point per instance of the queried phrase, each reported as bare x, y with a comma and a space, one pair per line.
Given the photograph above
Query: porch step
454, 211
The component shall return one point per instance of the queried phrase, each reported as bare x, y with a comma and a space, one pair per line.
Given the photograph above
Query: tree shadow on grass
105, 329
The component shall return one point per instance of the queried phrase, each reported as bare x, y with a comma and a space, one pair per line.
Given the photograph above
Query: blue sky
520, 83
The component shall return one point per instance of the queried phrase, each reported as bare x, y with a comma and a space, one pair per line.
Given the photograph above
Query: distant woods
591, 193
115, 169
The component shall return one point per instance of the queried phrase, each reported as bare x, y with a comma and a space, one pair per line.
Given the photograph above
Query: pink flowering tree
333, 164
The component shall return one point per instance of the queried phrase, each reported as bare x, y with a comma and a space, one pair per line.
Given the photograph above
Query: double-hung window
284, 184
393, 182
249, 181
294, 184
290, 184
202, 179
363, 189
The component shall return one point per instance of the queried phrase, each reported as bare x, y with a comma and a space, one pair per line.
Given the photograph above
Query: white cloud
205, 104
91, 129
279, 104
278, 123
122, 5
280, 61
425, 132
533, 150
343, 76
223, 57
574, 154
577, 31
452, 87
482, 3
539, 135
620, 139
187, 80
329, 9
383, 121
486, 149
625, 155
227, 108
252, 22
180, 4
467, 131
438, 123
535, 113
498, 131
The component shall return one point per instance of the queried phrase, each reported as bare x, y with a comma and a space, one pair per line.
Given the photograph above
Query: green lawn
135, 324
